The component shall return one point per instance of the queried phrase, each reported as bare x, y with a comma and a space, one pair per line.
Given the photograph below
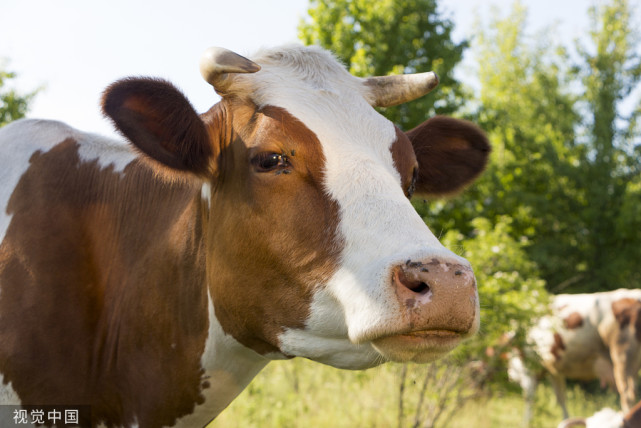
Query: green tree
13, 105
610, 70
565, 166
529, 115
513, 293
377, 38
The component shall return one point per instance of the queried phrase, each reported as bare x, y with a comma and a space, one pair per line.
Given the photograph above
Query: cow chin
418, 347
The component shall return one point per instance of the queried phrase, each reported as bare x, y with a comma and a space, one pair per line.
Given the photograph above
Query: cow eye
264, 162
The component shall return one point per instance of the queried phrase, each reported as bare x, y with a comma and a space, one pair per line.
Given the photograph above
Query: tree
12, 104
565, 166
377, 38
610, 70
528, 112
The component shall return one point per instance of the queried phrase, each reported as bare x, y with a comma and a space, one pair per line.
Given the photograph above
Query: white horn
217, 63
389, 91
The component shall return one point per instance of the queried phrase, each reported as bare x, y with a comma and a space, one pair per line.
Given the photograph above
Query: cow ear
451, 153
158, 119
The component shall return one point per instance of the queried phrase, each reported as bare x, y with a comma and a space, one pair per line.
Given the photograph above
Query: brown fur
632, 419
405, 162
292, 256
573, 321
90, 261
627, 312
277, 259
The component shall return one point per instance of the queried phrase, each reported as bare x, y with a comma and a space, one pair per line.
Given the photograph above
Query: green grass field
300, 393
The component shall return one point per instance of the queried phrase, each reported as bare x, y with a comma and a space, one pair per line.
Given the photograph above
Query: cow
152, 280
586, 337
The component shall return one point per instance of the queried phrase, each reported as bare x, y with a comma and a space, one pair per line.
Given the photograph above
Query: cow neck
229, 366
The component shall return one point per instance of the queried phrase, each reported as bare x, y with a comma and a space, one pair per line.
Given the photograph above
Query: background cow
588, 336
153, 280
607, 418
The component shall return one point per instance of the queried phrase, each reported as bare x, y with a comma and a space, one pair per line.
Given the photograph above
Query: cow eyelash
266, 161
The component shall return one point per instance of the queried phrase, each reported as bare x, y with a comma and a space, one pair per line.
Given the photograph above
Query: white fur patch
205, 193
109, 153
605, 418
8, 397
7, 394
324, 340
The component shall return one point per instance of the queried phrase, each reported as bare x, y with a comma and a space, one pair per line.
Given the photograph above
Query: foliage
390, 37
610, 70
528, 114
511, 290
564, 161
445, 387
12, 104
301, 393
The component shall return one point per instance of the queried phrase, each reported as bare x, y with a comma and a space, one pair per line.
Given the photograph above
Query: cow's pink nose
436, 294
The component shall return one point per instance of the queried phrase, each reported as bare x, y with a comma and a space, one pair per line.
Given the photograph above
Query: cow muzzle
438, 308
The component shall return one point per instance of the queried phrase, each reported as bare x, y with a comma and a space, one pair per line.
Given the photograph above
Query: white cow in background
587, 337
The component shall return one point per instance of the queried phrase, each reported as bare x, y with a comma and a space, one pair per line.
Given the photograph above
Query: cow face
627, 313
313, 248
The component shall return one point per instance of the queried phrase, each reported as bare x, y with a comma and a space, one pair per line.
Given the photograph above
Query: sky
73, 49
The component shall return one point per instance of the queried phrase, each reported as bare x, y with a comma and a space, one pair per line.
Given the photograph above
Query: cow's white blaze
379, 226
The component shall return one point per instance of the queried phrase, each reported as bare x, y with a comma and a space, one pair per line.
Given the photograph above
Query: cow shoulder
451, 153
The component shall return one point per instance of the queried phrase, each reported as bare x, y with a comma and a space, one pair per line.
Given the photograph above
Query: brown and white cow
587, 337
154, 280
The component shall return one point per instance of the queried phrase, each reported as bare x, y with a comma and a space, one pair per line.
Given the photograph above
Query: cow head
313, 248
627, 313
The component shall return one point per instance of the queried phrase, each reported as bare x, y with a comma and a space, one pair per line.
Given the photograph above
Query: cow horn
217, 63
389, 91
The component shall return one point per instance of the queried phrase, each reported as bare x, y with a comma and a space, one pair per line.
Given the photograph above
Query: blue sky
75, 48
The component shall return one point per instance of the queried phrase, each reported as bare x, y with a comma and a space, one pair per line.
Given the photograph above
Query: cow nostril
420, 288
411, 280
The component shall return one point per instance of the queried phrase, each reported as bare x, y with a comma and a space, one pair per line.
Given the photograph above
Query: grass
300, 393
